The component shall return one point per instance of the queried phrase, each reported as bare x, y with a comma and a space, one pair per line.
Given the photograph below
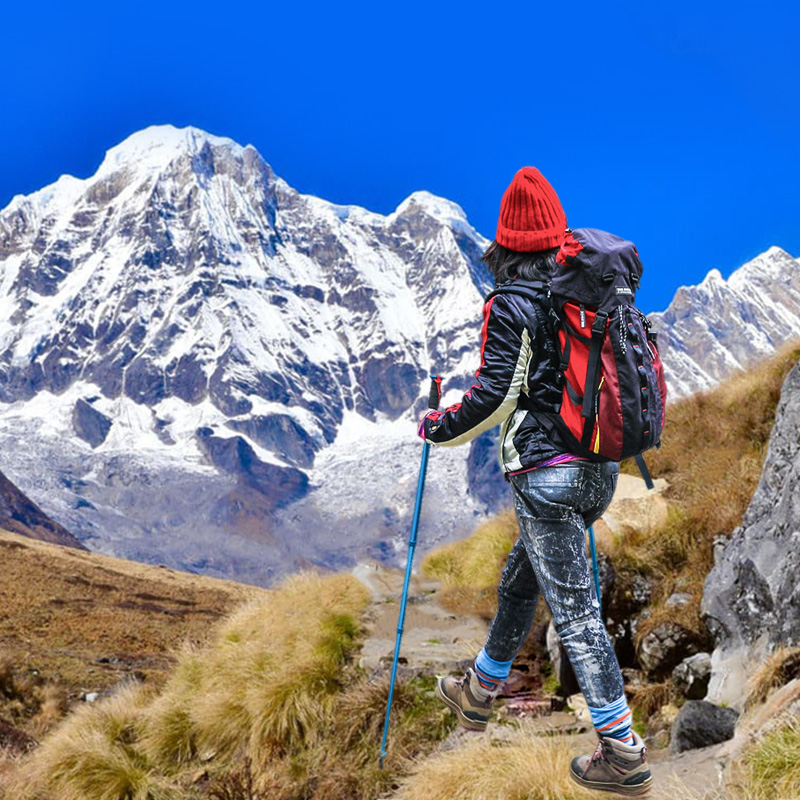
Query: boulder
751, 597
700, 724
691, 676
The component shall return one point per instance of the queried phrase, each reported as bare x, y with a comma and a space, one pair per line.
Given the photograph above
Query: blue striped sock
491, 673
614, 720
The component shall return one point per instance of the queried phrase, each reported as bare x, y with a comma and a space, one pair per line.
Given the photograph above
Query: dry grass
94, 755
474, 562
275, 688
526, 768
63, 609
647, 699
470, 569
778, 669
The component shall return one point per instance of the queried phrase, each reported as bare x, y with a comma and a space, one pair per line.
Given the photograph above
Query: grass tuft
525, 768
94, 755
771, 769
477, 561
274, 689
778, 669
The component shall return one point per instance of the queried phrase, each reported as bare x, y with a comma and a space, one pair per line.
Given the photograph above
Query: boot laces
599, 754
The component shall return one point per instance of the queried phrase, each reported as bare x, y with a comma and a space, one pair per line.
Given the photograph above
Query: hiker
557, 494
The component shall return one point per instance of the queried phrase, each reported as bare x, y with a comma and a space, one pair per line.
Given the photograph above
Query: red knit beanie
531, 217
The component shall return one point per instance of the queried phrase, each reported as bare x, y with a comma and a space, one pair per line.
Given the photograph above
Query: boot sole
628, 791
469, 724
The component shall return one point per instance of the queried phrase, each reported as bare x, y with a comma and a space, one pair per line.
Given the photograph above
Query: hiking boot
460, 694
614, 767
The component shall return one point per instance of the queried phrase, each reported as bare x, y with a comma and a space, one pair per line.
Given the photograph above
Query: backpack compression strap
592, 373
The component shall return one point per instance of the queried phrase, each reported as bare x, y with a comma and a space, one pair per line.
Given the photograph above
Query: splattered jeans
554, 506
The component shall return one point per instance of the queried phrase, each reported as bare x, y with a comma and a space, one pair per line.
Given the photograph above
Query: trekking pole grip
435, 395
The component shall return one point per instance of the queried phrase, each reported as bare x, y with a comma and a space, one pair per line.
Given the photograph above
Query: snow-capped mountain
183, 335
202, 367
719, 326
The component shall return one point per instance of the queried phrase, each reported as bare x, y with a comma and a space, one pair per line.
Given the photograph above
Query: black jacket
517, 383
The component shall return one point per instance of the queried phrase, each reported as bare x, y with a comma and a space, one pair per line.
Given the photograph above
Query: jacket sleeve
506, 348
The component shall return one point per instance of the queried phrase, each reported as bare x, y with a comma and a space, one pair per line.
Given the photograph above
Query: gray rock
281, 434
678, 599
751, 597
664, 647
692, 675
89, 423
700, 724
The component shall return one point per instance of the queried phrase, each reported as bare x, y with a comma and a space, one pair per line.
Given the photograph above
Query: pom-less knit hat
531, 217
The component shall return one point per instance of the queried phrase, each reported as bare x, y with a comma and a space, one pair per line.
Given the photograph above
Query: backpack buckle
599, 324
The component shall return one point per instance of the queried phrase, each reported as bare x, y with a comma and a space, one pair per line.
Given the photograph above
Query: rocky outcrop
280, 485
751, 597
664, 647
720, 326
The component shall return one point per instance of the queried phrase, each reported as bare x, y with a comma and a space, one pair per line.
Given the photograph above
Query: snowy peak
426, 203
158, 145
719, 326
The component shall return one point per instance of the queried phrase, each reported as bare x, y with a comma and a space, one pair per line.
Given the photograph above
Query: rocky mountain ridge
19, 514
711, 330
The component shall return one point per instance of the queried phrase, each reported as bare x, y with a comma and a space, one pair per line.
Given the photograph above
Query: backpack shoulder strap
533, 290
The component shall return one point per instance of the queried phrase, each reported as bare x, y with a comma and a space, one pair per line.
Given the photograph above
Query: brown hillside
84, 621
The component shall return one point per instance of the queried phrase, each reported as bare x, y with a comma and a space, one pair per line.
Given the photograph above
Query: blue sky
676, 127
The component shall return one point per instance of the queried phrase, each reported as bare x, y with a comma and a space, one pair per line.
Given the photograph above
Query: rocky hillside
751, 598
18, 513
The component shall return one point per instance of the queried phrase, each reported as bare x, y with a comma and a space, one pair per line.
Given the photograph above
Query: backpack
613, 392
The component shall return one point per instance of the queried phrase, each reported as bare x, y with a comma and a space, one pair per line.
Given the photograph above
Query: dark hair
505, 264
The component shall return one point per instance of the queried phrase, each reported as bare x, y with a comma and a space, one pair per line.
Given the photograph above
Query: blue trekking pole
433, 403
595, 568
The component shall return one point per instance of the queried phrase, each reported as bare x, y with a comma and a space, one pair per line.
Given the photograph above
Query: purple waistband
563, 458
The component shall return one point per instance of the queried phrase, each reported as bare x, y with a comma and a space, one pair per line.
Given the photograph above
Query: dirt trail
436, 641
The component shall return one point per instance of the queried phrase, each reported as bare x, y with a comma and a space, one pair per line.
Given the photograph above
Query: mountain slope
65, 610
213, 371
